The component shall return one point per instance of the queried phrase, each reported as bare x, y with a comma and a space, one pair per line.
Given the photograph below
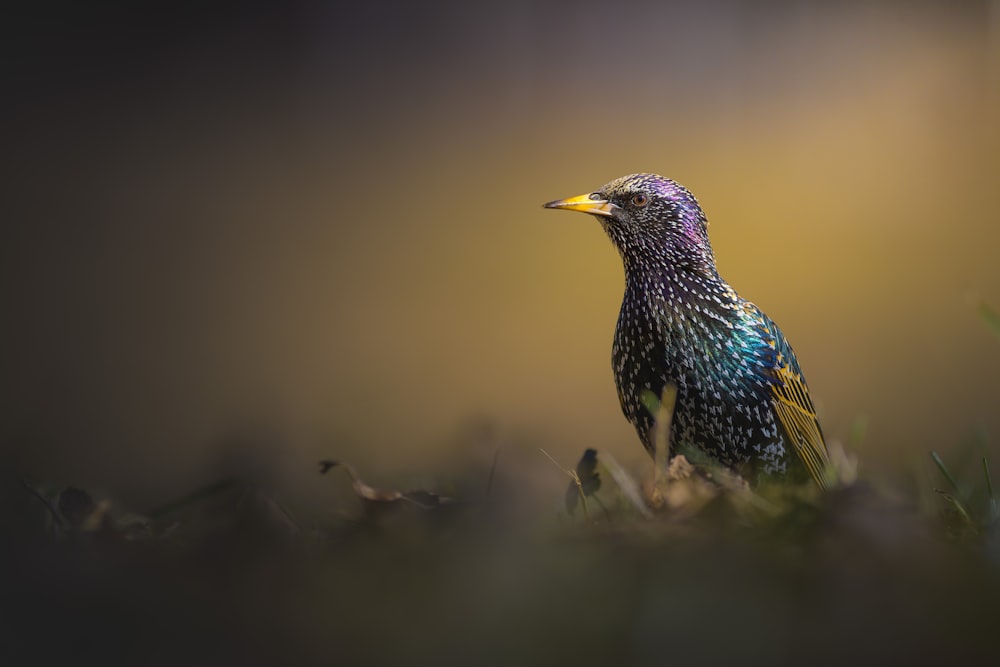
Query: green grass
971, 508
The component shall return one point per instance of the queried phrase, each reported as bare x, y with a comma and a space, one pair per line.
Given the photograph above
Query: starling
741, 397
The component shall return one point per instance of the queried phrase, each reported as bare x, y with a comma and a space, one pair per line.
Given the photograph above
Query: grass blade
858, 430
628, 486
990, 317
664, 417
994, 509
957, 504
944, 470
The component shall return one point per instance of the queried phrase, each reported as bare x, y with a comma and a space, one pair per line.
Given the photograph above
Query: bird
741, 397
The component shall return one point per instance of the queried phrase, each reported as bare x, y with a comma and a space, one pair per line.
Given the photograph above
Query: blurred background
325, 221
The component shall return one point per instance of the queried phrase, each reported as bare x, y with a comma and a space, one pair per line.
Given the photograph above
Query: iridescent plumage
741, 397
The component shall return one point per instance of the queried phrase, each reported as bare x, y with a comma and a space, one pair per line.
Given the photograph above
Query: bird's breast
721, 391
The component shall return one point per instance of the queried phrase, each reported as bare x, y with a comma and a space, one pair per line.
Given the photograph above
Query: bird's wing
790, 398
792, 404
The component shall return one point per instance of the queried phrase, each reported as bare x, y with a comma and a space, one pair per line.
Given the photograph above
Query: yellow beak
588, 203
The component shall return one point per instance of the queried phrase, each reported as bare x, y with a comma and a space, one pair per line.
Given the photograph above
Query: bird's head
651, 220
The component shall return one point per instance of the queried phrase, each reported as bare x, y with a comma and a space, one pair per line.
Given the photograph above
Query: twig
576, 480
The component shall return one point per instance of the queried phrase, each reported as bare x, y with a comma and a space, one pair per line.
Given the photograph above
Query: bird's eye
640, 200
